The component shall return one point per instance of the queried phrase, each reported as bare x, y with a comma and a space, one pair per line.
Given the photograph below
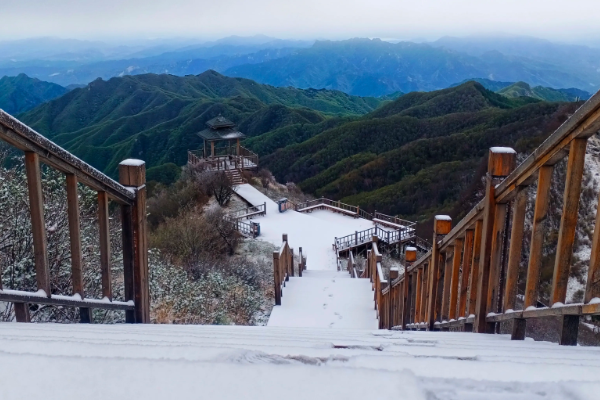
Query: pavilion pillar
238, 146
212, 148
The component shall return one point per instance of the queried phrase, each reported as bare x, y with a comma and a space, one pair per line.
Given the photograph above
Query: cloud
296, 18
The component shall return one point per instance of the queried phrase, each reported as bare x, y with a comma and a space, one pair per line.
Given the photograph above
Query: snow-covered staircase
234, 176
326, 299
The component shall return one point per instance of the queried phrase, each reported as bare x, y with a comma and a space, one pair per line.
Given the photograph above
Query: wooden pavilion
221, 148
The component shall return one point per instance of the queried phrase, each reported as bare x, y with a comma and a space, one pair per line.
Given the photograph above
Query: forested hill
21, 93
155, 117
416, 156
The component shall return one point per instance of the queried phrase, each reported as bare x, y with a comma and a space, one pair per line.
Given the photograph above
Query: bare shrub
169, 202
188, 239
223, 227
216, 183
265, 177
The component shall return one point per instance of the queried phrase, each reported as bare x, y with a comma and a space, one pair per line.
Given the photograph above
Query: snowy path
314, 232
323, 297
151, 362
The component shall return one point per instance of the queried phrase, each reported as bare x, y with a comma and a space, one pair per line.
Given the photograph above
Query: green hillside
21, 93
155, 117
414, 156
522, 89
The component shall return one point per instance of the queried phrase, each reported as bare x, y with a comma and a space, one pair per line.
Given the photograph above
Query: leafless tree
216, 183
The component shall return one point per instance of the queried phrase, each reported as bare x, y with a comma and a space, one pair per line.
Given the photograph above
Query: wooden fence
332, 205
248, 212
468, 281
283, 267
224, 162
360, 238
129, 193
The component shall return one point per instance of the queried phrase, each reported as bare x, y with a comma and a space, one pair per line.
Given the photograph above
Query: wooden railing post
410, 256
277, 278
300, 266
466, 272
458, 246
22, 312
501, 163
418, 289
566, 238
424, 294
285, 265
474, 278
496, 256
38, 226
132, 173
104, 245
445, 286
592, 289
442, 225
537, 236
85, 315
393, 304
514, 259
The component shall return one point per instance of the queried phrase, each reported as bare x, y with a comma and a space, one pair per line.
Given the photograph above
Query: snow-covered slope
93, 362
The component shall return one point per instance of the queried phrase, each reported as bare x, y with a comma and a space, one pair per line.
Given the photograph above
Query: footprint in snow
330, 295
324, 306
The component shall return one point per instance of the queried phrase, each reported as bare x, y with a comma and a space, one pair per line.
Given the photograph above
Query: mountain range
362, 67
412, 156
415, 156
155, 117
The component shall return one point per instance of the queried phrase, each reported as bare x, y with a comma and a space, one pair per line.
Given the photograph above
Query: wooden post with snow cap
441, 227
410, 256
132, 173
501, 163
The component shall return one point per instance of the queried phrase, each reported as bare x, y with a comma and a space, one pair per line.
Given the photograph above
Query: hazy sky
334, 19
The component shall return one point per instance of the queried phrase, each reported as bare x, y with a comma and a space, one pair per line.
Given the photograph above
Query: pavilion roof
221, 134
220, 122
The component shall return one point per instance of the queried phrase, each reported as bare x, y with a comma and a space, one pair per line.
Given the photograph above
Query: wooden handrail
477, 292
130, 193
26, 139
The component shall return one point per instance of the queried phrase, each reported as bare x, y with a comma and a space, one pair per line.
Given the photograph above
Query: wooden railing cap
442, 224
502, 161
132, 172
